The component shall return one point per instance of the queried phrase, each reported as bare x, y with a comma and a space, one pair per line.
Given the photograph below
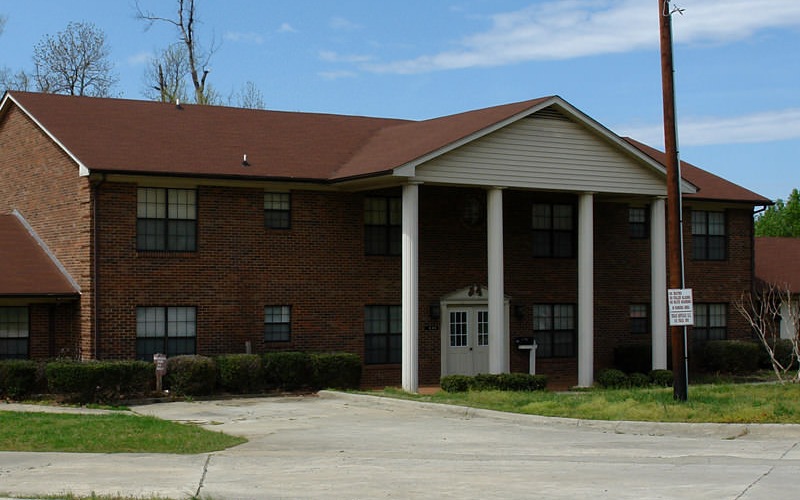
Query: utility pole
674, 201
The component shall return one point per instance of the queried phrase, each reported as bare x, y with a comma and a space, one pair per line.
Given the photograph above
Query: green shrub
455, 383
495, 382
633, 358
784, 354
288, 370
662, 378
731, 356
240, 373
638, 380
17, 378
99, 381
336, 371
191, 375
612, 378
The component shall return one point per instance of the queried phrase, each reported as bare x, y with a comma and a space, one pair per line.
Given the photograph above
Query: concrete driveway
349, 446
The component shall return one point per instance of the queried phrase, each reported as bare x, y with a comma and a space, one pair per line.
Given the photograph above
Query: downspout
753, 281
96, 265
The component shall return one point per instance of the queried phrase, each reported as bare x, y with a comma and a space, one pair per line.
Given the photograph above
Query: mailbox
518, 341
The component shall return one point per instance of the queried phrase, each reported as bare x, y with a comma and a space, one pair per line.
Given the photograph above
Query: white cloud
286, 28
249, 37
335, 57
565, 29
337, 75
140, 58
761, 127
343, 24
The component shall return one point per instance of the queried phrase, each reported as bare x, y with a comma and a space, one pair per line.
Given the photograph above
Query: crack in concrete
767, 473
203, 476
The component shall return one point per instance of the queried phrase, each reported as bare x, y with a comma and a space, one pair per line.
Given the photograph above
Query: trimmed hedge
662, 378
633, 358
731, 356
612, 378
99, 381
494, 382
190, 375
288, 370
18, 378
336, 371
240, 373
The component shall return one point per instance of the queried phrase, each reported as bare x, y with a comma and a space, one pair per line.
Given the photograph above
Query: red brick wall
41, 182
319, 268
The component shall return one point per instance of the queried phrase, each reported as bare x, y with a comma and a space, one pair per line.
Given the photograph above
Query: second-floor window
383, 218
708, 235
166, 219
277, 323
553, 230
637, 222
277, 210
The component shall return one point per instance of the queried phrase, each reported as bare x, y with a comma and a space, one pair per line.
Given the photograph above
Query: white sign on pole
681, 308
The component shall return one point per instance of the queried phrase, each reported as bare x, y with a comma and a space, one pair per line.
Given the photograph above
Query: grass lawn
112, 433
722, 403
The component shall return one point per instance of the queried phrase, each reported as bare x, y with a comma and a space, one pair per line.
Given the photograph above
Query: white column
498, 342
586, 290
410, 288
658, 283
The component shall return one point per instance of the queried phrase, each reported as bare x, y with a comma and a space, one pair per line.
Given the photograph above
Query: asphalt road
339, 446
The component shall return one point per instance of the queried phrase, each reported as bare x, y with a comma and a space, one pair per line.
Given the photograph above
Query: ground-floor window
14, 332
166, 330
554, 330
710, 322
640, 322
383, 326
277, 323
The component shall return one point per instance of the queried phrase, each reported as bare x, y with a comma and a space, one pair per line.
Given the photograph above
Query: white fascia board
83, 170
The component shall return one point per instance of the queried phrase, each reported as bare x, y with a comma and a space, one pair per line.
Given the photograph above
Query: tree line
76, 61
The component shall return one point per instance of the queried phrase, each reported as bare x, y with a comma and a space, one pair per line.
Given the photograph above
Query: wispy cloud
762, 127
140, 58
240, 37
335, 57
565, 29
337, 75
286, 28
343, 24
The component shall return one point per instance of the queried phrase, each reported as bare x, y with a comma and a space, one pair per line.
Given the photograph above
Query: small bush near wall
494, 382
99, 381
240, 373
288, 370
17, 378
731, 356
612, 379
336, 371
191, 375
662, 378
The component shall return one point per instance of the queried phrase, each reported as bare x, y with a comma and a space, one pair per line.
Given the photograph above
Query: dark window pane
181, 236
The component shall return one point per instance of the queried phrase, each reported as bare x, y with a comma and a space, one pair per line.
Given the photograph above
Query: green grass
725, 403
112, 433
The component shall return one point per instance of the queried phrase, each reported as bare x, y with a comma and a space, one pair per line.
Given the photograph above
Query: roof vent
245, 163
178, 104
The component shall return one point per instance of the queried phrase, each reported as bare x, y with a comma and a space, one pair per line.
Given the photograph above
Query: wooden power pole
674, 202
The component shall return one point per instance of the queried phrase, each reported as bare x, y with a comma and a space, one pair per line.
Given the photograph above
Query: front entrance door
468, 340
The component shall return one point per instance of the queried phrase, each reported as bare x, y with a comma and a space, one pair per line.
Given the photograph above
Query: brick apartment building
425, 247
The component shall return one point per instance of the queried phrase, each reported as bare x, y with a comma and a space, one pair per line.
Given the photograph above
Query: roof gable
777, 261
26, 268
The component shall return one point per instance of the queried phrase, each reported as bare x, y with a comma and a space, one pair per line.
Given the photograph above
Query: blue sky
737, 63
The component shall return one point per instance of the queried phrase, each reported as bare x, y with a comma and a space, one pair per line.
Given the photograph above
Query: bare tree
2, 24
165, 76
249, 97
764, 310
20, 80
75, 61
197, 57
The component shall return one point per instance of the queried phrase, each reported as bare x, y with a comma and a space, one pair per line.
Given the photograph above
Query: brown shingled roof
778, 261
25, 268
710, 186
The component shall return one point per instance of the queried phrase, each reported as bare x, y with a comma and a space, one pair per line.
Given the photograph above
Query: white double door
467, 340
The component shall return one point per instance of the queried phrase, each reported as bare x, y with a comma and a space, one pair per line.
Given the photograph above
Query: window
553, 230
382, 334
165, 330
277, 210
166, 220
277, 323
708, 235
383, 226
639, 318
483, 328
638, 223
554, 329
710, 322
14, 332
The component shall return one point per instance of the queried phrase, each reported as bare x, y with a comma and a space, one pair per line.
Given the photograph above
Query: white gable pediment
548, 150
